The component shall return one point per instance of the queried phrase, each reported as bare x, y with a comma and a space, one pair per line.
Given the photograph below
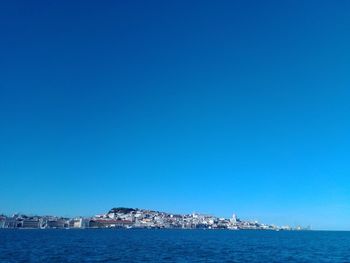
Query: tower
234, 219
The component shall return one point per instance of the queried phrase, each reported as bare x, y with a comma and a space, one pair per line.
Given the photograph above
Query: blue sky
215, 107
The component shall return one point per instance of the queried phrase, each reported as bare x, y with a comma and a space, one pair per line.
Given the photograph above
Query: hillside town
131, 218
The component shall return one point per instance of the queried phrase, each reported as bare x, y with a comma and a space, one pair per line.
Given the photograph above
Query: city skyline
124, 217
178, 106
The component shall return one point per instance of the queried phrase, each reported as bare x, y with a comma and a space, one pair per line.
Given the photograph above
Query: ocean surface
111, 245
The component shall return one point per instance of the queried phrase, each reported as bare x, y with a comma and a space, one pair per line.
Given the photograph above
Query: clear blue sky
216, 107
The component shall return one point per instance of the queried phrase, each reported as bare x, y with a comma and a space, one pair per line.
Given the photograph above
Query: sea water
143, 245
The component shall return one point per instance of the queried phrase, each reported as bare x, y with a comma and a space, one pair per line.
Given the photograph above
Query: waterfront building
58, 223
108, 223
30, 223
10, 222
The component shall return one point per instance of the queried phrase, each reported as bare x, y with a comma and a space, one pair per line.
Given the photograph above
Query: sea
160, 245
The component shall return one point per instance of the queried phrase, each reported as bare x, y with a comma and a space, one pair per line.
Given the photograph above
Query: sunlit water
108, 245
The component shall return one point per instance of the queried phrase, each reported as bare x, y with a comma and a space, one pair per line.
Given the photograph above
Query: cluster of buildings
136, 218
23, 221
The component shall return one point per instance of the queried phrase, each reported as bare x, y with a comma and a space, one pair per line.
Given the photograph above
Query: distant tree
121, 210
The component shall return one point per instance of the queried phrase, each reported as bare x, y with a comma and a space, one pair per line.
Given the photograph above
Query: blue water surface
111, 245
